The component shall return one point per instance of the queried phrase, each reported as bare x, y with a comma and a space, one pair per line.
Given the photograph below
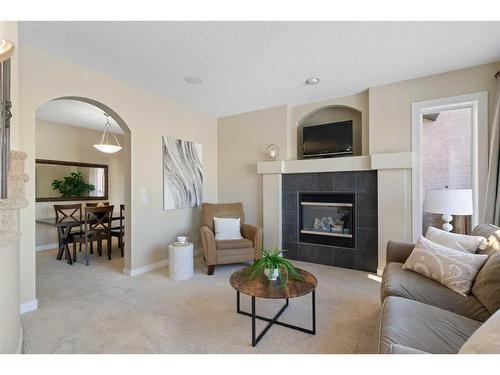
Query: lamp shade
104, 145
448, 201
107, 148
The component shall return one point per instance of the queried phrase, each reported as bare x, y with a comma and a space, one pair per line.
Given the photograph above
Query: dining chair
120, 230
96, 204
97, 227
68, 212
99, 244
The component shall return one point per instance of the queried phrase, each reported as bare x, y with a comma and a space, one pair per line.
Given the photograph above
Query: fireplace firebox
327, 219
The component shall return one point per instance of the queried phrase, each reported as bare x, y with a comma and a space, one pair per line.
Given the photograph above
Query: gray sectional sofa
419, 315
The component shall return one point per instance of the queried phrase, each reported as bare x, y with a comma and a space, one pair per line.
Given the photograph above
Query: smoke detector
312, 81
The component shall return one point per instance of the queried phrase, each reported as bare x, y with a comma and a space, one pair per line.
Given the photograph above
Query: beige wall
242, 139
148, 117
55, 141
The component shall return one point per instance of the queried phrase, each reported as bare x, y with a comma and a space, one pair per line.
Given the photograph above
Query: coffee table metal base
274, 320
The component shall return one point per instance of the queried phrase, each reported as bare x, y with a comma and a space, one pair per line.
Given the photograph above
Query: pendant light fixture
105, 145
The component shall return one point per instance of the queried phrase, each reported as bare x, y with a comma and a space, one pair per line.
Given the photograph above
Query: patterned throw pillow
452, 268
456, 241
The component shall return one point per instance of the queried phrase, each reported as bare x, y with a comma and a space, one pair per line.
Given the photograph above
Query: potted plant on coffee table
274, 266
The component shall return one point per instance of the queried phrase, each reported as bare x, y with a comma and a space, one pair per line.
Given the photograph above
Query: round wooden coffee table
261, 287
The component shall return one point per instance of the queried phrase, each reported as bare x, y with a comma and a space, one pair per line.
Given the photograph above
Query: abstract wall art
182, 174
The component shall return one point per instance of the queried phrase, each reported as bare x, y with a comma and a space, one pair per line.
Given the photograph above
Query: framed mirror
70, 181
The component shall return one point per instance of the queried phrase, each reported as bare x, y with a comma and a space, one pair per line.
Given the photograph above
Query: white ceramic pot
271, 275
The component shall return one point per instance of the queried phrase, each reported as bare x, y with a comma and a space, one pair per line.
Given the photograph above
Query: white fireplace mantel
399, 160
394, 192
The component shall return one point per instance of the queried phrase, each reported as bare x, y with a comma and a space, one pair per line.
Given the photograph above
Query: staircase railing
6, 51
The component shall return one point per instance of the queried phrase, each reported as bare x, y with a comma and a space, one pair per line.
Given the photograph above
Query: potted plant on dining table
273, 265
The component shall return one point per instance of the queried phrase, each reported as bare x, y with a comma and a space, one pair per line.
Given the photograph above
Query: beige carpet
96, 309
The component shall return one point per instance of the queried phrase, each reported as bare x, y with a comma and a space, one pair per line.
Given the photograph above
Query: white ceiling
76, 113
251, 65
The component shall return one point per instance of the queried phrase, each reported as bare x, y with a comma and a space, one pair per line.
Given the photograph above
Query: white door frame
478, 103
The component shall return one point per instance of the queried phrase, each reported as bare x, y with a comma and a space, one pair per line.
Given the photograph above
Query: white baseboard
20, 342
28, 306
380, 271
151, 267
49, 246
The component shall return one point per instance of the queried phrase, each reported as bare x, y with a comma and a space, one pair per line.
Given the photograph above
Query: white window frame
478, 103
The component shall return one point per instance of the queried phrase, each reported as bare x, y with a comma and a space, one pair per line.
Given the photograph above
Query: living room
350, 210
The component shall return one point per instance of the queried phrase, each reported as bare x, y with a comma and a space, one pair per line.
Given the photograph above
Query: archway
124, 166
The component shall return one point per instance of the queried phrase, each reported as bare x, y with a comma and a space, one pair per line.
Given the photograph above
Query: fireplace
327, 219
349, 239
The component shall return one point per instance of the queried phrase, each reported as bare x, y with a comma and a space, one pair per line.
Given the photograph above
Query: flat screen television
327, 140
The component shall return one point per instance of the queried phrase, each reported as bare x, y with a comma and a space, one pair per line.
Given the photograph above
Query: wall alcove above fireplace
333, 114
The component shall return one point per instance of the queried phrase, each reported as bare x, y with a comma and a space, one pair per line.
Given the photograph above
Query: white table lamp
448, 202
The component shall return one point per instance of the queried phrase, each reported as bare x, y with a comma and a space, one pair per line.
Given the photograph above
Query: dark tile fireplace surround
360, 252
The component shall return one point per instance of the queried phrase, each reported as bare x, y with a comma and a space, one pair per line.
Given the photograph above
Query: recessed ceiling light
312, 81
193, 80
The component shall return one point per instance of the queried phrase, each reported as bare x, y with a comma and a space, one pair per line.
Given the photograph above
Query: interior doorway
73, 168
449, 145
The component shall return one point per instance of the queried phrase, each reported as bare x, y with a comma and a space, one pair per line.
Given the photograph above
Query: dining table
63, 230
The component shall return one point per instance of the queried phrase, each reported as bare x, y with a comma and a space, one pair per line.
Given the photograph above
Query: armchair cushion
233, 244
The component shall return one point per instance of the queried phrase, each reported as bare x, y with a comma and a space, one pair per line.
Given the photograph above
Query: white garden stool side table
180, 260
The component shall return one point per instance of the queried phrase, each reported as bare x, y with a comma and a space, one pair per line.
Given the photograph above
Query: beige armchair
228, 251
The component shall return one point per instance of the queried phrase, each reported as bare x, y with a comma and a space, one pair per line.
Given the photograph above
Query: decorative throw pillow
486, 286
456, 241
486, 339
452, 268
227, 229
492, 233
